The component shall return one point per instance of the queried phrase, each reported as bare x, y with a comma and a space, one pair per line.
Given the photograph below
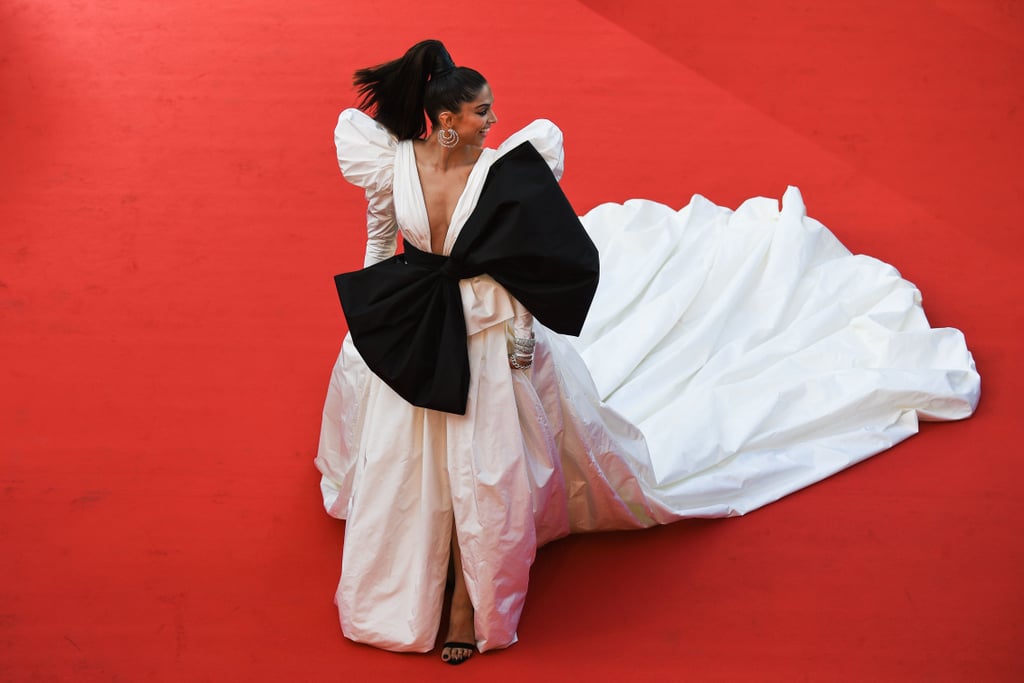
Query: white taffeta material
729, 358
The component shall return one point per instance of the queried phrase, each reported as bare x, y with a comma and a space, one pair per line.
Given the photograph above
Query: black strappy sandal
457, 644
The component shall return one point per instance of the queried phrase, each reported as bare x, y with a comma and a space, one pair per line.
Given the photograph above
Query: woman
728, 359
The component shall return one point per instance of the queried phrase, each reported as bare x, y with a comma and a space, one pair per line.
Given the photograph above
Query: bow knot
452, 269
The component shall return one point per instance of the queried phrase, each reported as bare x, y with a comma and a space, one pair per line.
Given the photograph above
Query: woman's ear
445, 118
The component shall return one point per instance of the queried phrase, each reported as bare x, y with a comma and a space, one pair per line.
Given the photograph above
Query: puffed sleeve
366, 155
546, 138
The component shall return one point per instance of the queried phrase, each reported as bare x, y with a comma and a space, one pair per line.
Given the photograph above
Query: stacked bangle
521, 357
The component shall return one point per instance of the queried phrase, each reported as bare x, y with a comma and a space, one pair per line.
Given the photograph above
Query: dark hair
424, 79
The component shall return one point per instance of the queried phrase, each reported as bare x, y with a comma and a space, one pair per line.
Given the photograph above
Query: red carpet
171, 215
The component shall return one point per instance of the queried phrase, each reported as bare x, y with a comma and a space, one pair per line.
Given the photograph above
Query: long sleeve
366, 156
381, 227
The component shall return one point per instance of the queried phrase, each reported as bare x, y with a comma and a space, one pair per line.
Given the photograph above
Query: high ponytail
424, 80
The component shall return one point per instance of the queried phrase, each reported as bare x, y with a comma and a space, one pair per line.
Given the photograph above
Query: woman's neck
443, 158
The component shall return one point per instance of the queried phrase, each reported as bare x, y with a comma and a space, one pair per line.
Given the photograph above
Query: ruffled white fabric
770, 358
730, 358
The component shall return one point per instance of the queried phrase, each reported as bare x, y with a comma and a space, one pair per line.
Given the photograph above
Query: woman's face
474, 119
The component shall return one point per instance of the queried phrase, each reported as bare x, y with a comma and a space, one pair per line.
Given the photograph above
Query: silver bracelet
525, 364
524, 344
521, 357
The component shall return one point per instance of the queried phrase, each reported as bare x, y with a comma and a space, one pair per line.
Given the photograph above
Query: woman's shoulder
357, 129
366, 150
542, 133
545, 137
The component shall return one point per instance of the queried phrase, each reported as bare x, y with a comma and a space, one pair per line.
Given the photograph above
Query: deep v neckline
418, 184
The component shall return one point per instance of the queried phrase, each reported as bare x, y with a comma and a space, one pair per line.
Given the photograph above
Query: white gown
729, 358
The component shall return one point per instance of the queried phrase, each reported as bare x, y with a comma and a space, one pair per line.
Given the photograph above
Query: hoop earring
448, 137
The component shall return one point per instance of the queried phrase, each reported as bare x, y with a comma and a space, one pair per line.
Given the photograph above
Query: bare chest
442, 191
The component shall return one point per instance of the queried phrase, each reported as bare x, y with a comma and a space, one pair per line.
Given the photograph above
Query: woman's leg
460, 619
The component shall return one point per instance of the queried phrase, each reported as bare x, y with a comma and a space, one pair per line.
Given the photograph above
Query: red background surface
171, 215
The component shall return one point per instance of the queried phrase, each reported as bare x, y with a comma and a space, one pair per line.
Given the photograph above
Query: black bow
405, 313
